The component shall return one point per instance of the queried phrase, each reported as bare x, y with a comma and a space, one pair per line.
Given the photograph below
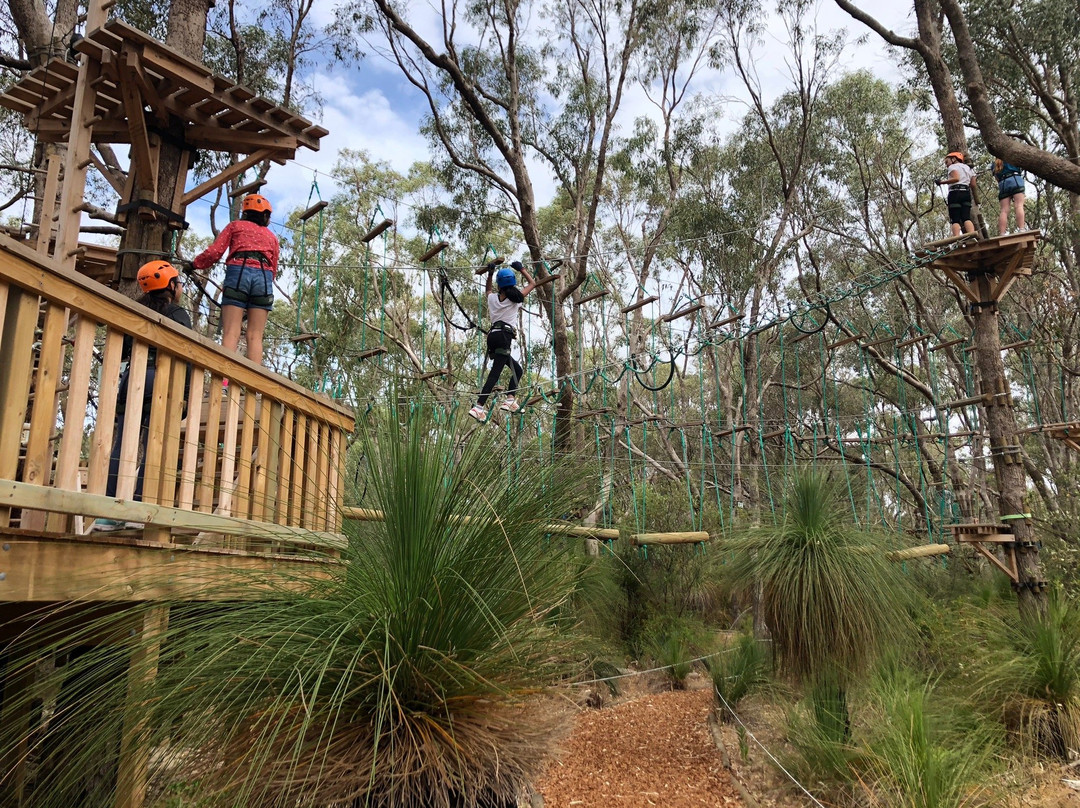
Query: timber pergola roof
142, 89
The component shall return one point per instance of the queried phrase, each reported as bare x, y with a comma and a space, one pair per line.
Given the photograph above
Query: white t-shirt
503, 311
963, 173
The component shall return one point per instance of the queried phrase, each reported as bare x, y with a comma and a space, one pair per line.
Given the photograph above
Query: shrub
738, 670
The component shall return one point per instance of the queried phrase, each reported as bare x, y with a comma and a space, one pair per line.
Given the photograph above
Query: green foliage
832, 600
402, 676
920, 751
741, 668
1032, 668
672, 643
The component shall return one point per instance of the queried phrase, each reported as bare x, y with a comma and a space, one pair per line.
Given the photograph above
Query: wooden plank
233, 171
925, 551
174, 418
639, 303
28, 269
334, 486
311, 477
1007, 277
227, 485
38, 463
67, 460
244, 466
913, 340
133, 765
23, 495
189, 467
260, 504
559, 528
686, 537
48, 205
727, 320
296, 499
961, 284
667, 318
207, 486
592, 297
323, 503
71, 197
143, 162
942, 345
107, 570
101, 447
17, 361
284, 496
993, 559
127, 473
273, 463
155, 428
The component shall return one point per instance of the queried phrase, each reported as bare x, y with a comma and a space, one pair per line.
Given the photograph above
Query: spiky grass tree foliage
832, 599
407, 675
1032, 670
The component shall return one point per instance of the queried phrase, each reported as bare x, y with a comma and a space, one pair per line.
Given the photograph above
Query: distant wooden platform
1007, 257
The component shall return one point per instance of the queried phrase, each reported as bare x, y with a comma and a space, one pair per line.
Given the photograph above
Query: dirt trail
653, 751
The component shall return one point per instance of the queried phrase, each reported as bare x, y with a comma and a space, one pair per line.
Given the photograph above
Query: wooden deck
246, 475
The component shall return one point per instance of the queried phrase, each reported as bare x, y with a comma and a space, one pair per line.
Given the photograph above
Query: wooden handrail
30, 270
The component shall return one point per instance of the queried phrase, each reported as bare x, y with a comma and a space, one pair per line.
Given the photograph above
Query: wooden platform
976, 534
1006, 257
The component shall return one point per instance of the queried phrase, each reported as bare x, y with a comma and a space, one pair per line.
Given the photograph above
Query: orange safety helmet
257, 203
156, 275
956, 155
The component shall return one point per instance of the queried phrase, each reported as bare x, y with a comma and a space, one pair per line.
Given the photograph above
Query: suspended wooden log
378, 230
320, 205
913, 340
944, 242
726, 432
881, 341
250, 188
557, 528
637, 304
775, 434
726, 321
592, 297
434, 250
667, 318
494, 262
431, 374
845, 341
949, 344
985, 398
686, 537
371, 352
303, 337
1021, 344
926, 551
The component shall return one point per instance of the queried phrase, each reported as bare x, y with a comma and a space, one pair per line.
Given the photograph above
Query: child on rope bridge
503, 308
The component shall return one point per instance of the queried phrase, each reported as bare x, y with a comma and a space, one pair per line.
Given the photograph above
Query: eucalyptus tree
502, 93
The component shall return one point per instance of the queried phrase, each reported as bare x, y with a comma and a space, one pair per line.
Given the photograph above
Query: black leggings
500, 341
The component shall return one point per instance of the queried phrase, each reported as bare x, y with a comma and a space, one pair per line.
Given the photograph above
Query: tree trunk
1008, 466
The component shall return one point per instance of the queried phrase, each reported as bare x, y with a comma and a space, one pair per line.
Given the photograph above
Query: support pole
1001, 429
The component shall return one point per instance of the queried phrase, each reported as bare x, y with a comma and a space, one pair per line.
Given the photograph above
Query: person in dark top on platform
162, 288
1011, 188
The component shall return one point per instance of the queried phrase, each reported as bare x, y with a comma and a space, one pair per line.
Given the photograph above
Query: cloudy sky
369, 106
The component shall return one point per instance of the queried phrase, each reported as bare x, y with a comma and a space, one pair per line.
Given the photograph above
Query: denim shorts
248, 287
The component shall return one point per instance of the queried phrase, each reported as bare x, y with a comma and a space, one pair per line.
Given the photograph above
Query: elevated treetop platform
137, 72
1008, 257
131, 88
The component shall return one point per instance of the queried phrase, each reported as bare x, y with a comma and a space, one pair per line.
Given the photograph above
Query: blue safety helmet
505, 277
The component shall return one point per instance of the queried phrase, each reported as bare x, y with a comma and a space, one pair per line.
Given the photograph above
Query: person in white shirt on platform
960, 180
503, 308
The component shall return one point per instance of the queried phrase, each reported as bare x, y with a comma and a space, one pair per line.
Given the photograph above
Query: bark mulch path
653, 751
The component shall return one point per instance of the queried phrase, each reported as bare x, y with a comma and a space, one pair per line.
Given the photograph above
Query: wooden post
131, 775
1001, 428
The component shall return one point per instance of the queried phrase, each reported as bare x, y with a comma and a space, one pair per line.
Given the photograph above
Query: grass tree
831, 598
410, 674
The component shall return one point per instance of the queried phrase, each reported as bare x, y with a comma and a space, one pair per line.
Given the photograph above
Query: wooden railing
257, 462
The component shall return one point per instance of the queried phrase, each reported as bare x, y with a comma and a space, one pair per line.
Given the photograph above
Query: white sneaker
478, 412
510, 404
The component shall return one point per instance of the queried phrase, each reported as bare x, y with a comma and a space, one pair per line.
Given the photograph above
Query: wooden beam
377, 230
913, 340
249, 188
235, 170
961, 284
16, 494
1006, 279
667, 318
726, 321
925, 551
687, 537
639, 303
48, 204
124, 569
218, 138
845, 341
143, 163
942, 345
434, 250
592, 297
605, 533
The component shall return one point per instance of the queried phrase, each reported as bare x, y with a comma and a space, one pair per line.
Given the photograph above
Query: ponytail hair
513, 294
